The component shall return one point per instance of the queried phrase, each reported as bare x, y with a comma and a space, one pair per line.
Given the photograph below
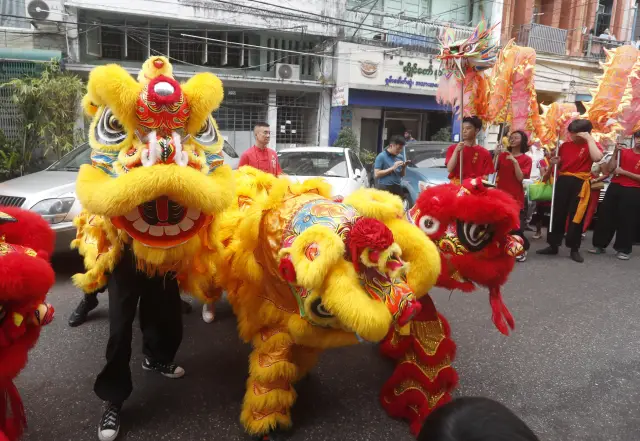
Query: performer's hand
555, 160
584, 135
620, 172
460, 146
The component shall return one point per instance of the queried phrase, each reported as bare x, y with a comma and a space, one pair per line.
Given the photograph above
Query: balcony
544, 38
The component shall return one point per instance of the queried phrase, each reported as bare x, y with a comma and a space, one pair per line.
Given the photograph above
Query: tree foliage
347, 139
444, 134
49, 104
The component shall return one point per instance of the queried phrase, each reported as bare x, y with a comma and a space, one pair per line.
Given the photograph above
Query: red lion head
26, 241
470, 224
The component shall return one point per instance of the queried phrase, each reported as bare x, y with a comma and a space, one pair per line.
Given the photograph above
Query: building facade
270, 57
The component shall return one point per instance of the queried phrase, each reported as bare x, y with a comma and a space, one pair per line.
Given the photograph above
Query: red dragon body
26, 241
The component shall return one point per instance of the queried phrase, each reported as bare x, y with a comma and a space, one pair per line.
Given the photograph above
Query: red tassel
500, 313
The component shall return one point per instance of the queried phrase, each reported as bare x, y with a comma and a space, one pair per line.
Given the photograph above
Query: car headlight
54, 211
424, 184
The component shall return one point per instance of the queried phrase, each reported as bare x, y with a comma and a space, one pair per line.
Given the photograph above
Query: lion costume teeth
156, 180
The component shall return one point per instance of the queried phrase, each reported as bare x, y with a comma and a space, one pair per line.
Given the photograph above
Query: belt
584, 195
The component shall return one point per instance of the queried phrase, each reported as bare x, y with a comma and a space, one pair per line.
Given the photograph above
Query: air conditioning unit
45, 15
289, 72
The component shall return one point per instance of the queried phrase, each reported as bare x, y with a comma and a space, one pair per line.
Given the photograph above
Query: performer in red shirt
573, 189
620, 209
513, 167
260, 156
476, 160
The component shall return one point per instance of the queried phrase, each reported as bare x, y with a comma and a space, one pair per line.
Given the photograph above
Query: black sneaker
548, 251
169, 370
110, 423
576, 256
86, 305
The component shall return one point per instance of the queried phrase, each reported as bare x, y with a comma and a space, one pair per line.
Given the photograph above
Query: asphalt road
571, 370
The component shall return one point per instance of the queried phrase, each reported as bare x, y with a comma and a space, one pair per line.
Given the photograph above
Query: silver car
52, 192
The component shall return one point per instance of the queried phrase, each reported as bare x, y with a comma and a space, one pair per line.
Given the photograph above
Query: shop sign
340, 96
416, 75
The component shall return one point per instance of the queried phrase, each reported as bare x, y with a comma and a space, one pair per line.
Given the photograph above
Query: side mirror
358, 173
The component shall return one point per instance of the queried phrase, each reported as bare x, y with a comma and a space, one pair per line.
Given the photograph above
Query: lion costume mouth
162, 223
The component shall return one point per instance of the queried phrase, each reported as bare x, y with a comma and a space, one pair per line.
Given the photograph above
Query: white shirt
536, 154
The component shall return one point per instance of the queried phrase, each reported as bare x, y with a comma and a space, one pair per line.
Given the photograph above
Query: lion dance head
471, 226
156, 179
26, 241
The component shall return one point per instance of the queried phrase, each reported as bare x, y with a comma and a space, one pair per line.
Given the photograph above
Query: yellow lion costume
305, 273
157, 181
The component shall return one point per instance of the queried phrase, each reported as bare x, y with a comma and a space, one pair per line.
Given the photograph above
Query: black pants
393, 188
565, 206
520, 230
160, 322
618, 215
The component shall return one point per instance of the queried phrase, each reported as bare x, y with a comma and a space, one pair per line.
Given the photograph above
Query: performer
574, 160
476, 162
260, 156
26, 242
620, 209
514, 166
146, 230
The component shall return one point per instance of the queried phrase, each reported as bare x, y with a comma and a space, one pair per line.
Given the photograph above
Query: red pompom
368, 233
287, 270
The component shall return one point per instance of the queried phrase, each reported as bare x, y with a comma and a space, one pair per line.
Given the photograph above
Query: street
570, 370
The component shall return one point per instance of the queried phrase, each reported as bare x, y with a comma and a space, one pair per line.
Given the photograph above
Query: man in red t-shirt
476, 160
620, 211
574, 159
260, 156
514, 166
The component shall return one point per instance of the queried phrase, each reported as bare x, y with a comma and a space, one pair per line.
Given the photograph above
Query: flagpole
495, 156
555, 180
461, 118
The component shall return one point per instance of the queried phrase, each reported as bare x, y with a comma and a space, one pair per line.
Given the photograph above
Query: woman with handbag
514, 167
540, 192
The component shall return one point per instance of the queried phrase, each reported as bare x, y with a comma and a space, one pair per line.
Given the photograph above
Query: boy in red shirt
573, 188
260, 156
476, 160
513, 167
621, 206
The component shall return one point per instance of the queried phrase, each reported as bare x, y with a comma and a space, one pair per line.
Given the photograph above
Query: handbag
540, 191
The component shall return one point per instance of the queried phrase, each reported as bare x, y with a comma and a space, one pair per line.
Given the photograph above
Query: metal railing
594, 46
544, 38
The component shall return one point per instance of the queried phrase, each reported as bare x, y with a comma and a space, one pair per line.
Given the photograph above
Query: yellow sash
585, 194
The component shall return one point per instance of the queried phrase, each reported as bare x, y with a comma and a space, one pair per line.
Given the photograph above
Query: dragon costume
470, 226
156, 182
26, 241
305, 273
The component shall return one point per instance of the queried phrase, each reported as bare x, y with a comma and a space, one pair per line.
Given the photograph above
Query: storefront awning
28, 54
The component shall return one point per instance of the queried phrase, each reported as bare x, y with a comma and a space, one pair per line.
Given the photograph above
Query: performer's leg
573, 238
607, 223
113, 384
560, 212
79, 315
161, 324
270, 393
627, 220
305, 359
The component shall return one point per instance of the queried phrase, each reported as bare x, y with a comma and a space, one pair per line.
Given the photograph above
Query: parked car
426, 169
51, 192
339, 166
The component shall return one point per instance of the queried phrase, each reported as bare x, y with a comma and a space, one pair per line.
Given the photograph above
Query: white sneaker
623, 256
522, 257
208, 312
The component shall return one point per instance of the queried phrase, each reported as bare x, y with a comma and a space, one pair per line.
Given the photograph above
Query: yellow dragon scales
156, 182
305, 273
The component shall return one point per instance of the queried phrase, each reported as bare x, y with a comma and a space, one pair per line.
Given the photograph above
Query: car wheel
407, 203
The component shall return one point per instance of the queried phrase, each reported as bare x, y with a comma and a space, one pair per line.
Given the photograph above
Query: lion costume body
305, 273
26, 241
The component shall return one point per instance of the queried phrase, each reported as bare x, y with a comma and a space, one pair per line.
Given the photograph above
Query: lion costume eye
319, 310
109, 130
207, 136
429, 225
475, 236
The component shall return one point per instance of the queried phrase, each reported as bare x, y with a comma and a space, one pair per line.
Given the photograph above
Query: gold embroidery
429, 334
261, 389
257, 416
268, 360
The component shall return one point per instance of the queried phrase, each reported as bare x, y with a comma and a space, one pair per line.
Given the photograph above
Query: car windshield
306, 163
74, 159
426, 157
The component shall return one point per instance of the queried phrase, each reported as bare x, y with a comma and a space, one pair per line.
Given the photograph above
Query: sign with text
340, 96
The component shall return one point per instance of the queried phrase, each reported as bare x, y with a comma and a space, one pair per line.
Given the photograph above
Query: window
355, 161
306, 163
74, 159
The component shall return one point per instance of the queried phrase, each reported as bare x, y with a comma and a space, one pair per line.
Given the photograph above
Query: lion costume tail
13, 420
423, 378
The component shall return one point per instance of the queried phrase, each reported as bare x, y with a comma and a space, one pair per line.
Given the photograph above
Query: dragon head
477, 51
157, 169
470, 225
26, 241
